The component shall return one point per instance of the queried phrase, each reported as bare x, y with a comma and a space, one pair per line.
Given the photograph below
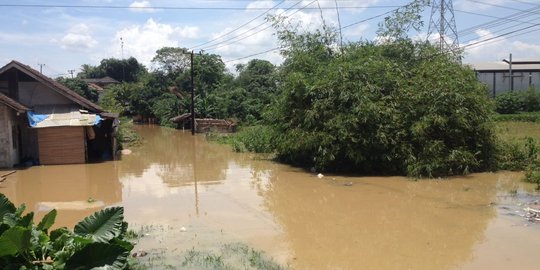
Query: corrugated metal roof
63, 116
502, 66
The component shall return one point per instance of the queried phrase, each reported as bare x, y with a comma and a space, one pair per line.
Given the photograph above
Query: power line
170, 7
502, 35
223, 43
525, 2
344, 27
494, 5
515, 17
239, 27
255, 54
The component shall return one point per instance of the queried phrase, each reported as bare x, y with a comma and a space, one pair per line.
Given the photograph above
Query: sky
61, 35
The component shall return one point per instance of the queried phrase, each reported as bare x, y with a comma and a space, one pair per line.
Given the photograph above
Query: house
503, 77
100, 84
44, 122
204, 125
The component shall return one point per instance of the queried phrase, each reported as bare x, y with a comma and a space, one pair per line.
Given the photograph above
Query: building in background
508, 75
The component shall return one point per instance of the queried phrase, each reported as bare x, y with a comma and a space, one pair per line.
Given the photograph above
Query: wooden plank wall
61, 145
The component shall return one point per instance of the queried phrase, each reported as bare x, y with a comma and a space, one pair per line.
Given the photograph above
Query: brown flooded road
175, 181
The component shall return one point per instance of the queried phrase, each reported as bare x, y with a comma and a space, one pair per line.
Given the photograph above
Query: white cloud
141, 6
497, 49
142, 41
77, 38
356, 31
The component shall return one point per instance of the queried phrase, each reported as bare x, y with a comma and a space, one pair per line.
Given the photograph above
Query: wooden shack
44, 122
204, 125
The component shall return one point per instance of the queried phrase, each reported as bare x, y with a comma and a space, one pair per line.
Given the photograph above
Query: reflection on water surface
175, 180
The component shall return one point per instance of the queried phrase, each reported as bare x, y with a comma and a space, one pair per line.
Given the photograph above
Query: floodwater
186, 193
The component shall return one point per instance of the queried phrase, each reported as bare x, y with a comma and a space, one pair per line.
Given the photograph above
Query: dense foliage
122, 70
80, 87
396, 107
97, 240
520, 101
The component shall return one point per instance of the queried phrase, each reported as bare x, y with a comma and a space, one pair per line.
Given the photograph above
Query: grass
231, 257
126, 134
522, 140
228, 257
518, 131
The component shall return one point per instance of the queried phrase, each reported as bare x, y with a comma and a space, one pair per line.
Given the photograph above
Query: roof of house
104, 80
180, 118
13, 104
95, 87
502, 66
56, 86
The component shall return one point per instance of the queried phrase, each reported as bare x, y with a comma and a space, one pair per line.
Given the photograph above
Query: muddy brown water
176, 181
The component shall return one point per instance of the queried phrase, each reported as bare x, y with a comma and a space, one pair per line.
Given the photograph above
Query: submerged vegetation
96, 241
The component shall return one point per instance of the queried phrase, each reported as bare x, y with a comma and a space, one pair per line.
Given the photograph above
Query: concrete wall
499, 82
8, 155
34, 93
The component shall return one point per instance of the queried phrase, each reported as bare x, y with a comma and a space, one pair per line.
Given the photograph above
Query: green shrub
530, 100
97, 240
532, 175
257, 139
126, 134
515, 155
518, 117
509, 102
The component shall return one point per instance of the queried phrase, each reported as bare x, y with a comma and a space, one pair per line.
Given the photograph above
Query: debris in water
183, 229
348, 184
126, 152
532, 214
320, 175
140, 253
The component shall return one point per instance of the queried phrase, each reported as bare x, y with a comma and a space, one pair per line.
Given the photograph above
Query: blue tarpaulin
34, 118
98, 120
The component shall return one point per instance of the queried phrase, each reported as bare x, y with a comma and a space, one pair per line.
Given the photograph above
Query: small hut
204, 125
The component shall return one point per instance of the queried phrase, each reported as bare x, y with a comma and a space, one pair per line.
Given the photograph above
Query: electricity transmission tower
442, 21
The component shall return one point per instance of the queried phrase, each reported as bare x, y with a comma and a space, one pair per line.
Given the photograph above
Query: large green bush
392, 108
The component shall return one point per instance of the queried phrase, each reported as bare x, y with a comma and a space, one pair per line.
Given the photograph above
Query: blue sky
64, 38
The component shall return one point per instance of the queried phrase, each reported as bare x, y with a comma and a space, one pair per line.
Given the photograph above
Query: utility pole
41, 68
511, 75
71, 71
123, 69
443, 22
192, 97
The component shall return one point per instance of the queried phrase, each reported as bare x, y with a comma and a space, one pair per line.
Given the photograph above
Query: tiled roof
104, 80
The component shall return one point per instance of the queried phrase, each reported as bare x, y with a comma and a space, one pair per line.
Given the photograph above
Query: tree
123, 70
171, 61
80, 87
397, 107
